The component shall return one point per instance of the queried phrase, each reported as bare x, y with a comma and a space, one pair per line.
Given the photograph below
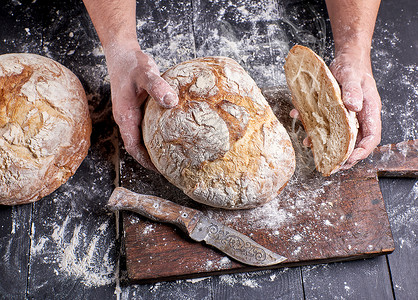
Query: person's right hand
133, 76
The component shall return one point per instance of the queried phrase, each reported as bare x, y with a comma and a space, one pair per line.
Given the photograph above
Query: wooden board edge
370, 255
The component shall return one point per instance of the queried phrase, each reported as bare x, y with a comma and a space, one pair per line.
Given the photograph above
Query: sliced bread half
316, 94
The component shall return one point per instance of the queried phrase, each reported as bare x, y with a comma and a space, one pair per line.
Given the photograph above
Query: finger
162, 92
140, 154
294, 114
371, 127
131, 136
125, 104
149, 79
352, 94
363, 149
361, 152
357, 155
128, 116
370, 118
307, 142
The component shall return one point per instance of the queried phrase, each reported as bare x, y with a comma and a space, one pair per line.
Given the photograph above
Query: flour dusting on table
73, 234
71, 252
399, 80
256, 35
406, 216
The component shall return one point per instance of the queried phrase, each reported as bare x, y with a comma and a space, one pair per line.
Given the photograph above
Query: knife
196, 225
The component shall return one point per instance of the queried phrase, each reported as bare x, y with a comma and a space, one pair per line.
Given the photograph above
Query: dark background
66, 245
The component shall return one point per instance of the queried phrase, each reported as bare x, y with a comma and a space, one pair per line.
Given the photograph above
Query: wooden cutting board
315, 219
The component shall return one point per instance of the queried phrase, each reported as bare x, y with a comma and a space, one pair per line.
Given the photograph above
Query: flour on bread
222, 145
331, 128
44, 127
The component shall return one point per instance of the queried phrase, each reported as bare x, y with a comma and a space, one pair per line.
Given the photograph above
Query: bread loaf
222, 145
44, 127
316, 94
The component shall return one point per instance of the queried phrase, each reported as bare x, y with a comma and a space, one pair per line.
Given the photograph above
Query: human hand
352, 24
359, 94
133, 76
353, 71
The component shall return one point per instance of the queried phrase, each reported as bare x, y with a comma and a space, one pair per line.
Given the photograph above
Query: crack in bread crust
222, 145
44, 127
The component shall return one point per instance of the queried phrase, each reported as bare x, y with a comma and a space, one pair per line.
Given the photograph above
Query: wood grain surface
316, 219
67, 246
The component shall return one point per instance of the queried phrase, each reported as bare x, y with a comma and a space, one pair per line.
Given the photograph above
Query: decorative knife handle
154, 208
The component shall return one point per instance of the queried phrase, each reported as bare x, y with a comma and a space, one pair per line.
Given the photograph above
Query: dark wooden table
67, 245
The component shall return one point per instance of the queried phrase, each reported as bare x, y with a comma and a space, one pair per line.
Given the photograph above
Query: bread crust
45, 127
317, 96
222, 145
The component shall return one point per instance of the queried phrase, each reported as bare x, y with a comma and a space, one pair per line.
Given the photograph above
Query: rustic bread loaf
44, 127
222, 145
316, 94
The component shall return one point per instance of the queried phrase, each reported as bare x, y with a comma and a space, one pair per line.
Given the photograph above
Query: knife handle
154, 208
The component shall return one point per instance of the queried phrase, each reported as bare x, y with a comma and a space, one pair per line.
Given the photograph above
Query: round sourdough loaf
44, 127
222, 145
316, 94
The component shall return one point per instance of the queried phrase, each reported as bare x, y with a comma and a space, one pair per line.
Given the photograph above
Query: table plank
73, 249
363, 279
40, 27
199, 288
252, 33
17, 24
15, 224
402, 207
73, 246
284, 283
395, 52
165, 31
21, 29
394, 59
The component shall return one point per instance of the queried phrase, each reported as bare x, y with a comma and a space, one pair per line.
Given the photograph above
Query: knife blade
196, 225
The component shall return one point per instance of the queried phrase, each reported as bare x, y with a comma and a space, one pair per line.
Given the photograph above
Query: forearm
114, 20
352, 23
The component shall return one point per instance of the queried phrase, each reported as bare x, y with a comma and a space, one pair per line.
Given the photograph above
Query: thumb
352, 94
161, 91
149, 79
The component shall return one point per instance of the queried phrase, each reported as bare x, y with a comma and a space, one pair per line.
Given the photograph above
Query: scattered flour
252, 280
405, 219
72, 253
398, 81
223, 263
328, 223
149, 229
346, 287
196, 280
250, 283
